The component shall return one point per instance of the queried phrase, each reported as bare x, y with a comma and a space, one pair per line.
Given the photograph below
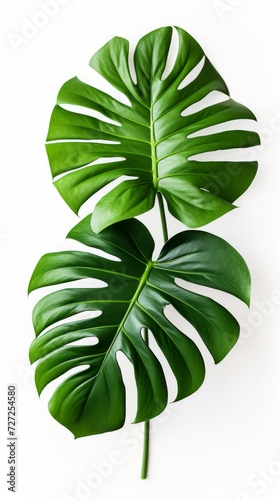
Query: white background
222, 443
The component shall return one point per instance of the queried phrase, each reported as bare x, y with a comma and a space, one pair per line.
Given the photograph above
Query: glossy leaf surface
151, 138
132, 294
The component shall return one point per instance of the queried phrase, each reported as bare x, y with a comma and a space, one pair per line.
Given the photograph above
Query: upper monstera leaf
132, 296
153, 139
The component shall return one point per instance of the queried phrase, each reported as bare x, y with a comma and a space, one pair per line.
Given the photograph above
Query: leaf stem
145, 457
146, 444
144, 470
162, 217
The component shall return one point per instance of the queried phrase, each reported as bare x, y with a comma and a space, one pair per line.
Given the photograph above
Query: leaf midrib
134, 300
153, 150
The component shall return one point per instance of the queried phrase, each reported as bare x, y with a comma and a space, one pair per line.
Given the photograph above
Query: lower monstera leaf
132, 295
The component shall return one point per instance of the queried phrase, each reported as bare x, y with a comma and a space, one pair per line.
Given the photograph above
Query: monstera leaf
151, 138
132, 294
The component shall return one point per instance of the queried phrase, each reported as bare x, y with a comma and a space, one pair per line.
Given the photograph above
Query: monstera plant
152, 140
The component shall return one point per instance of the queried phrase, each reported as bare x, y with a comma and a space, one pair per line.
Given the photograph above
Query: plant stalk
146, 444
162, 217
145, 460
145, 457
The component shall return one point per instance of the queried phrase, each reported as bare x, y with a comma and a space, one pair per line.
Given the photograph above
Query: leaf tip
96, 225
30, 286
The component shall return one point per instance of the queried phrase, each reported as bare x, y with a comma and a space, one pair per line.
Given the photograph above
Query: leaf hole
230, 302
192, 75
89, 112
48, 391
85, 141
78, 246
100, 161
86, 341
131, 64
103, 141
222, 155
93, 78
168, 373
214, 97
143, 333
172, 54
75, 317
129, 381
187, 329
224, 127
89, 205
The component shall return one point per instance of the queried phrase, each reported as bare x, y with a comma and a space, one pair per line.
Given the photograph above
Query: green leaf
149, 139
132, 293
